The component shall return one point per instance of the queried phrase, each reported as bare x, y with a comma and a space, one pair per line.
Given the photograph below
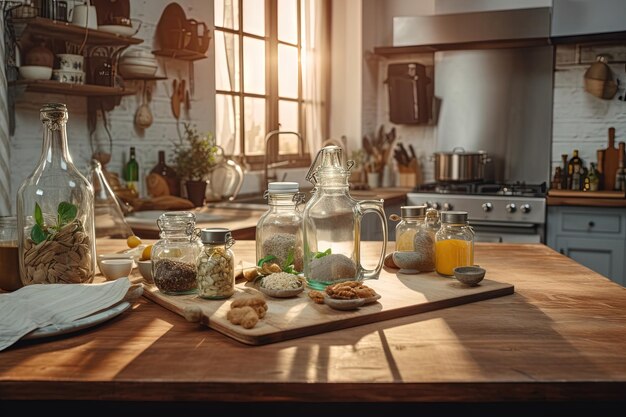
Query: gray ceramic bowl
469, 275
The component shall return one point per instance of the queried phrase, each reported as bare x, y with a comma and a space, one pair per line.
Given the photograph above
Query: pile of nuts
216, 277
247, 311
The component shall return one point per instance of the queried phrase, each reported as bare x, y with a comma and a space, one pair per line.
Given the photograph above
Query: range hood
500, 29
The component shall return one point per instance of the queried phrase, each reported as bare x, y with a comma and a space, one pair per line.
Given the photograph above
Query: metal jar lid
283, 187
454, 217
413, 211
215, 235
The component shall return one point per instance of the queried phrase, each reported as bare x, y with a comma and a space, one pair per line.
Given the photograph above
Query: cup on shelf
84, 15
70, 62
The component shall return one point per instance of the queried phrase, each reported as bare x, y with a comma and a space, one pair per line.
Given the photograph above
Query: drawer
580, 222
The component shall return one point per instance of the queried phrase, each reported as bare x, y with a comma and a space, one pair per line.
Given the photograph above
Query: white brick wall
581, 121
26, 142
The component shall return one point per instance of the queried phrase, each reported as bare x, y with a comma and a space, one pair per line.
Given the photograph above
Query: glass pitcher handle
373, 206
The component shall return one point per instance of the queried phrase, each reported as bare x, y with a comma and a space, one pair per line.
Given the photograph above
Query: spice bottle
216, 264
279, 230
55, 212
415, 241
174, 256
454, 242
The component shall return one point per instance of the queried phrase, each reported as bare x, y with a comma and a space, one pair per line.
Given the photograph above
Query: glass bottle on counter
415, 240
620, 174
593, 177
216, 264
174, 256
454, 242
131, 172
279, 230
168, 174
55, 212
575, 172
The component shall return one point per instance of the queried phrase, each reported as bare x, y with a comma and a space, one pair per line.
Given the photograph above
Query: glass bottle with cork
131, 172
168, 174
620, 174
575, 172
454, 242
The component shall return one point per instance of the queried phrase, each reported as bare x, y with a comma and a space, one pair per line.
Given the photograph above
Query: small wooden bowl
469, 275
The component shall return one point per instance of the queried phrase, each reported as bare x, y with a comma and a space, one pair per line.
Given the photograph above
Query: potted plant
194, 158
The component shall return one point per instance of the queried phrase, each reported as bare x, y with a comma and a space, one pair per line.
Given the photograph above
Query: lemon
404, 242
133, 241
147, 253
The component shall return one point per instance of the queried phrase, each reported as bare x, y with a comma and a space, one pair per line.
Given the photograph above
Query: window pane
226, 61
287, 71
254, 17
254, 125
227, 118
288, 119
288, 21
226, 13
253, 65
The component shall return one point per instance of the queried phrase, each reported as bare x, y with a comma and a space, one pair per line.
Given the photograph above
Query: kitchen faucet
272, 165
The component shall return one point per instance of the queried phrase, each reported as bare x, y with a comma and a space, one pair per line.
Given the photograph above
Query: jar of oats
216, 264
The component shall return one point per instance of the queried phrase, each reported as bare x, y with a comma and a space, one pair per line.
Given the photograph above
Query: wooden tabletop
560, 337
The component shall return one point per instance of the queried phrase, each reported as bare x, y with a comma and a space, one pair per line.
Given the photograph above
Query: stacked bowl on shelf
137, 63
70, 69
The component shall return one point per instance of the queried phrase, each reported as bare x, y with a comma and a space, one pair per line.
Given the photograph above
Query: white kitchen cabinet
592, 236
587, 17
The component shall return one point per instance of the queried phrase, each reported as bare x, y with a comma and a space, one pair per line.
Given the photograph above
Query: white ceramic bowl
133, 70
35, 72
70, 77
145, 268
116, 268
104, 256
70, 62
121, 30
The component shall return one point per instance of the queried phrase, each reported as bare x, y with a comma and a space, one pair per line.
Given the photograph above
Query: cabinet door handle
561, 251
591, 224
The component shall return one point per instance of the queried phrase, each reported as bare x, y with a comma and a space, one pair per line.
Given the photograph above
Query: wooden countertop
559, 338
585, 202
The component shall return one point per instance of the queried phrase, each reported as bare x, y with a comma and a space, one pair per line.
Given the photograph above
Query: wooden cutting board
401, 295
611, 160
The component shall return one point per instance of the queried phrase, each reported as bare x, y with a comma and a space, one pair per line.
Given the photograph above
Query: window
258, 78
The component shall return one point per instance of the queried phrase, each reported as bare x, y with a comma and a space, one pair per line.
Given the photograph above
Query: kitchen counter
585, 201
557, 343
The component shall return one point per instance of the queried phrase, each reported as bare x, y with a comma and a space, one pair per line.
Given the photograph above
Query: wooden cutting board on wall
611, 160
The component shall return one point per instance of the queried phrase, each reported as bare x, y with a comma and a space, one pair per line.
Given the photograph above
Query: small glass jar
454, 242
216, 264
174, 256
279, 230
10, 276
415, 241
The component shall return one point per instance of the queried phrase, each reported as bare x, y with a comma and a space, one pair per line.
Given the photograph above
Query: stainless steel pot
460, 166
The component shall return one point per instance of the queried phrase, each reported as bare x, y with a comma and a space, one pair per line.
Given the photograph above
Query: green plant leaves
38, 215
66, 213
266, 259
37, 234
322, 254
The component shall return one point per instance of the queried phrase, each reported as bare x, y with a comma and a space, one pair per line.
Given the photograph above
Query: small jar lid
413, 211
454, 216
215, 235
283, 187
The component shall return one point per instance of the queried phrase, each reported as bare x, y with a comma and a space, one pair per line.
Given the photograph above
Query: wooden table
558, 343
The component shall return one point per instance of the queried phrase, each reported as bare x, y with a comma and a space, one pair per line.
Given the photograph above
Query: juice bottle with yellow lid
454, 243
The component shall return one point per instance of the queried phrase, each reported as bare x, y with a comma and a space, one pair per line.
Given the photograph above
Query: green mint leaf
67, 212
289, 260
322, 254
37, 234
266, 259
38, 215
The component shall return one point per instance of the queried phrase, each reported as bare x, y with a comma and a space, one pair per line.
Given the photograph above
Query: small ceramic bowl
469, 275
70, 77
145, 268
70, 62
104, 256
116, 268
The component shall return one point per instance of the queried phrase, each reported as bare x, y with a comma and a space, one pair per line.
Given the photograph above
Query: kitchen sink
243, 203
151, 216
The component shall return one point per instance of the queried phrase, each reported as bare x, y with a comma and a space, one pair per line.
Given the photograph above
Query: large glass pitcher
332, 224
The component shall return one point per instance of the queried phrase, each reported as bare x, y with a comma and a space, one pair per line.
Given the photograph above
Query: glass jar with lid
10, 276
174, 256
415, 241
55, 212
216, 264
454, 242
279, 230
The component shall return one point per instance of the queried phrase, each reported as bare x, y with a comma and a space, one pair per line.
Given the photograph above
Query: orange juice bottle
454, 243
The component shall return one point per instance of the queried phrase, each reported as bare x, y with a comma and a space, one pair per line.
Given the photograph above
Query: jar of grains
216, 264
415, 241
279, 230
454, 242
174, 255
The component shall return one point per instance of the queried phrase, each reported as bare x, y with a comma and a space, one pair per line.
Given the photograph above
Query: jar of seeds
174, 255
216, 264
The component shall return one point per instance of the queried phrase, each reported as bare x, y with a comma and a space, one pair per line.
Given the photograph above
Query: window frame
256, 162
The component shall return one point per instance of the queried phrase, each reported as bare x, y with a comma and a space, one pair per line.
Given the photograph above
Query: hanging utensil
143, 115
175, 101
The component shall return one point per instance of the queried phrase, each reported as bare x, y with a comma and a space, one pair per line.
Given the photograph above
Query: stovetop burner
482, 188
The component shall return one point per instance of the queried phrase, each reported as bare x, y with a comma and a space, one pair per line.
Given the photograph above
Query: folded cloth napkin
40, 305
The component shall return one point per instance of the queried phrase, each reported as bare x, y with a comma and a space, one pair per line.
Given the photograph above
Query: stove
498, 212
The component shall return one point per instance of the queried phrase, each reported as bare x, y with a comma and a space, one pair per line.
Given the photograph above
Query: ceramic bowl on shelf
70, 62
134, 70
122, 30
70, 77
35, 72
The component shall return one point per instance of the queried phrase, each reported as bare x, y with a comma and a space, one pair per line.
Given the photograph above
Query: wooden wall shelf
54, 29
85, 90
181, 54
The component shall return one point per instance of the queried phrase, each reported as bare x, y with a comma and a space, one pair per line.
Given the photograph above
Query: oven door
507, 232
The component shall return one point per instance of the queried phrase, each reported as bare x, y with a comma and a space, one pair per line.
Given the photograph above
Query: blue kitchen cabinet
592, 236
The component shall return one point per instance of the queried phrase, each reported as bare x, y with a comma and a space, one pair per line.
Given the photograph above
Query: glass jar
454, 242
415, 241
279, 230
175, 254
332, 224
10, 276
55, 212
216, 264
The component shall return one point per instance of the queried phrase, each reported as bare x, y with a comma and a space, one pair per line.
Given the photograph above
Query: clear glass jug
332, 224
55, 212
